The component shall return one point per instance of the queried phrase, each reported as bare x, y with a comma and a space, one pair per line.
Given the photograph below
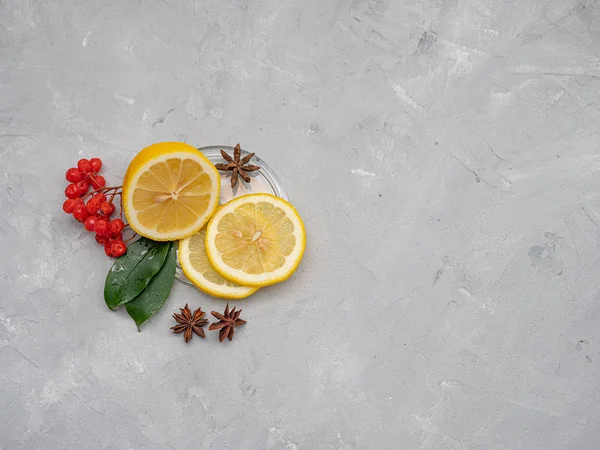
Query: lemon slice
255, 240
170, 190
197, 267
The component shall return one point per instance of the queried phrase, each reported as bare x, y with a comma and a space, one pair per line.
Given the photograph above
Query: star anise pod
227, 323
238, 167
188, 322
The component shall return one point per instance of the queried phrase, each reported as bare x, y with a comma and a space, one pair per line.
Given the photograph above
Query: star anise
188, 322
238, 167
227, 322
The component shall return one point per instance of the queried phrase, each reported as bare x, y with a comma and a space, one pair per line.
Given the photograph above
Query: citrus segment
197, 267
170, 191
256, 240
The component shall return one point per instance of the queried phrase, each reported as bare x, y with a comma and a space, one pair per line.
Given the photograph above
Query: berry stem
135, 235
104, 190
112, 196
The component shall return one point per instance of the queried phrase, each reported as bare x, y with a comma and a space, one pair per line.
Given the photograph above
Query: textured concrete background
444, 155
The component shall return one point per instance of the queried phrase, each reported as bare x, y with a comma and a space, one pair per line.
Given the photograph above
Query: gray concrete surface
444, 155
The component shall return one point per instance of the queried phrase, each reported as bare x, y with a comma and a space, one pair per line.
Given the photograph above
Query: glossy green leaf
131, 273
155, 295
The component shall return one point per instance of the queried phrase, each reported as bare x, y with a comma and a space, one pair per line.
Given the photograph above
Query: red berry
118, 248
116, 226
69, 205
116, 236
102, 227
74, 175
83, 187
101, 239
108, 249
100, 198
84, 165
80, 212
96, 164
107, 208
72, 191
92, 206
90, 222
98, 182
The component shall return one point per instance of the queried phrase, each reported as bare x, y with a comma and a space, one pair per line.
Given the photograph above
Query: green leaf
131, 273
155, 295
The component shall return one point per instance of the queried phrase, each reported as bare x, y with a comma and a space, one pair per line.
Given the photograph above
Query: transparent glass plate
263, 180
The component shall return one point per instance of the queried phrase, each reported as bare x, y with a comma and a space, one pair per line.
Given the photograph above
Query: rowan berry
72, 191
69, 205
116, 226
100, 198
92, 206
98, 182
96, 164
101, 239
83, 187
84, 165
118, 248
102, 227
107, 208
74, 175
80, 212
90, 222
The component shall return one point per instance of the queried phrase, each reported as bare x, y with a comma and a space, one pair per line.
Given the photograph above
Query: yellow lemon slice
170, 190
255, 240
197, 267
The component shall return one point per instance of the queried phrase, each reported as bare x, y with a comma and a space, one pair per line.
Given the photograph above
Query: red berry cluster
94, 209
84, 175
